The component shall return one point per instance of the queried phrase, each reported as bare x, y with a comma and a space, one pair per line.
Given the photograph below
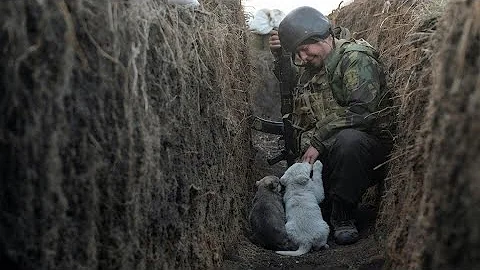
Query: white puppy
305, 225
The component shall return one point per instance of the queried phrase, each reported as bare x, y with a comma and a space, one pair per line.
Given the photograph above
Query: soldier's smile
314, 53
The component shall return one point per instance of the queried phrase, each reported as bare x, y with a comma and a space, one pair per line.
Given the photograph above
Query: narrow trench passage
365, 254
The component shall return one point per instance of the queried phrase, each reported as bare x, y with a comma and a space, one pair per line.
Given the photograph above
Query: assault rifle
286, 76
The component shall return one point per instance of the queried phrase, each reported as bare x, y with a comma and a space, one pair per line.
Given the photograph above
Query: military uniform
313, 106
342, 109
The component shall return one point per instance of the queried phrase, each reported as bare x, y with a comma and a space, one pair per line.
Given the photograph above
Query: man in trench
341, 111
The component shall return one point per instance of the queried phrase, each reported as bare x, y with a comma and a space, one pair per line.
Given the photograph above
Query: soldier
340, 111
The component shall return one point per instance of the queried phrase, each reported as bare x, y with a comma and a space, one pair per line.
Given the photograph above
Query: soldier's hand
310, 155
274, 42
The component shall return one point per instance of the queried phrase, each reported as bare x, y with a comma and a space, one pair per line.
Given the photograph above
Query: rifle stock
286, 77
267, 126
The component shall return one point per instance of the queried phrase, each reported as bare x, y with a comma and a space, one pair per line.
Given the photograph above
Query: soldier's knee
349, 140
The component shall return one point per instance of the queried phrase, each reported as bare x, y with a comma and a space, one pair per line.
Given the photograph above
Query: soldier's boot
344, 230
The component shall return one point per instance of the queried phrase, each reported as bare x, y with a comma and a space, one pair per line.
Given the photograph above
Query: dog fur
305, 225
267, 217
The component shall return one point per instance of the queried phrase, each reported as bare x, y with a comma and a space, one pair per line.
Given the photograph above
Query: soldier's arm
360, 95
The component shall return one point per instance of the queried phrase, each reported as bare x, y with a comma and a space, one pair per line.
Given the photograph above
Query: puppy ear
257, 183
283, 181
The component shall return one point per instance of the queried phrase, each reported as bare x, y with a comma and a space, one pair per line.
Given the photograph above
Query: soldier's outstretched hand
310, 155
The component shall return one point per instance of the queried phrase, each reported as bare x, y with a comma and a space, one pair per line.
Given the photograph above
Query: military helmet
301, 24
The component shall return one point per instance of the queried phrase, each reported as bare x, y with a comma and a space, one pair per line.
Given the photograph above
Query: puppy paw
317, 166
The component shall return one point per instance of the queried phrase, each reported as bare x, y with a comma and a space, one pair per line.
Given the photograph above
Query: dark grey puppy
267, 217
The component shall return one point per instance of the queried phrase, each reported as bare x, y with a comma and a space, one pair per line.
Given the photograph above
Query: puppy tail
302, 249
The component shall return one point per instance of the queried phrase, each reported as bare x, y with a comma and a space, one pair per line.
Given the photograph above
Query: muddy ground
367, 253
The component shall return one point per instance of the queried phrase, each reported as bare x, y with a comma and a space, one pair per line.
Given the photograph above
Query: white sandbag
265, 20
276, 16
260, 23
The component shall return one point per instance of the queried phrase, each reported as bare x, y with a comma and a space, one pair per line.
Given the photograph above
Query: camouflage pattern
350, 92
313, 105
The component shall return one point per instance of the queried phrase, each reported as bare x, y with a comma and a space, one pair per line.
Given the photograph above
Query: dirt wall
123, 137
402, 40
265, 90
445, 234
428, 218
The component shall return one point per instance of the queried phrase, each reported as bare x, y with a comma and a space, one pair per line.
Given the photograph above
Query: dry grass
444, 233
427, 10
124, 137
426, 218
400, 38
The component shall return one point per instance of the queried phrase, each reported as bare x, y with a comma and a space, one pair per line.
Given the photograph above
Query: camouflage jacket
313, 103
349, 92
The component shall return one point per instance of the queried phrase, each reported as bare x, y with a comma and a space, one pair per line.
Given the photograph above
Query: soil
367, 253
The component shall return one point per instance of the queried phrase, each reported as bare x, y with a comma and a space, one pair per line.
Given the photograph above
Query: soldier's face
315, 53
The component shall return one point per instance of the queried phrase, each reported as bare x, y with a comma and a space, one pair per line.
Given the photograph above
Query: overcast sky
324, 6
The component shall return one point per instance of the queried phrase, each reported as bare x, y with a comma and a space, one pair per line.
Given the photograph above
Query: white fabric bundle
265, 20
